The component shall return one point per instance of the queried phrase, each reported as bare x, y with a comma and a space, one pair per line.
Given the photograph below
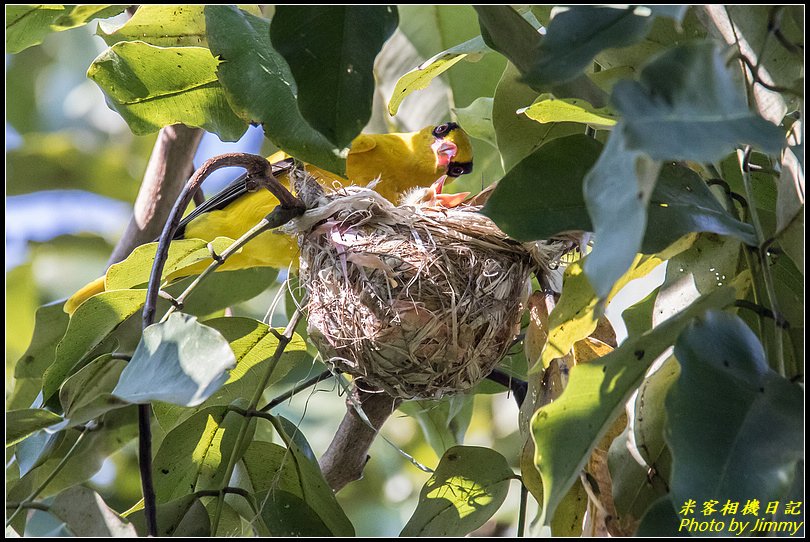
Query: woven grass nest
419, 301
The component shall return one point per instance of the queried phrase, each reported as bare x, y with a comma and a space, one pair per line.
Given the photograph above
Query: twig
30, 499
524, 495
762, 254
297, 388
283, 341
347, 455
170, 164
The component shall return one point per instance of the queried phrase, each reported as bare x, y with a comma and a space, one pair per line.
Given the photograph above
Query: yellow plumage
401, 161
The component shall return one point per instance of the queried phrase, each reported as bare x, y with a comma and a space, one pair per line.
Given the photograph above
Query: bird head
452, 148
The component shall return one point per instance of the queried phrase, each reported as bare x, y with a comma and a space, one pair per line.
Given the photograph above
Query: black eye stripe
457, 169
444, 129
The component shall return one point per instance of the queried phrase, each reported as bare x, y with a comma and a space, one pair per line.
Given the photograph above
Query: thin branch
524, 496
297, 388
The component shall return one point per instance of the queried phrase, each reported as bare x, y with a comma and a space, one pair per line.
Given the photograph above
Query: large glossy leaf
717, 410
331, 50
616, 191
92, 322
253, 344
517, 135
179, 361
152, 87
21, 423
261, 88
195, 454
421, 76
467, 488
27, 25
567, 430
293, 496
86, 514
687, 106
541, 196
576, 35
50, 325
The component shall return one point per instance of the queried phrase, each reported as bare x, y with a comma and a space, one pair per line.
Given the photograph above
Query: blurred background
73, 169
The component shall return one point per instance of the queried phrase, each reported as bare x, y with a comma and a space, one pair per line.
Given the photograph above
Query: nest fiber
417, 300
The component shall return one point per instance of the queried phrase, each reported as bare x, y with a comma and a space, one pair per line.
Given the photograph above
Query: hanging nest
417, 300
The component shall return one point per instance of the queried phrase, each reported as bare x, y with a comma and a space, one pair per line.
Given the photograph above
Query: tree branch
347, 455
169, 166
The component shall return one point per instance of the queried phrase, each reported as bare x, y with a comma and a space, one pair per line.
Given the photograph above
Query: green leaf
253, 344
37, 448
50, 326
285, 476
506, 31
184, 516
566, 431
21, 423
724, 397
476, 119
86, 514
331, 52
162, 25
179, 361
617, 190
152, 87
114, 430
575, 36
421, 76
467, 488
88, 393
639, 317
687, 106
660, 520
540, 196
547, 109
261, 87
194, 455
93, 321
648, 429
443, 422
27, 25
517, 135
683, 203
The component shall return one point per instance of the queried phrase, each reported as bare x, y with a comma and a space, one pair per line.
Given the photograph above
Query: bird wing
226, 196
362, 143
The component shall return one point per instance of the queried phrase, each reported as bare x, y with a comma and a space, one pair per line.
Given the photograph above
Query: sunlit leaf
546, 109
178, 361
21, 423
152, 87
261, 88
421, 76
50, 325
27, 25
725, 395
86, 514
194, 455
567, 430
184, 516
687, 106
467, 488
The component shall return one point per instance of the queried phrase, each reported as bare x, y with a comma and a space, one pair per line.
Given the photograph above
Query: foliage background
61, 136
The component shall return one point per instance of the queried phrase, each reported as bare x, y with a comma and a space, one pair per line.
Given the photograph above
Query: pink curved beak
445, 151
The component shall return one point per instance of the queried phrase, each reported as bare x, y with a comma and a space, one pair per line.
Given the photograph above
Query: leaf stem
524, 495
283, 340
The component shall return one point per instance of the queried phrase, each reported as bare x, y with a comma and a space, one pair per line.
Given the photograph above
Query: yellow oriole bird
400, 161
